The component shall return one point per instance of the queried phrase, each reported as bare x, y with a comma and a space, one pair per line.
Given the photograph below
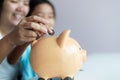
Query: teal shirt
25, 67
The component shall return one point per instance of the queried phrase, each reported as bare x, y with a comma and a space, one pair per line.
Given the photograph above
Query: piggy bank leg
41, 79
54, 78
50, 78
68, 78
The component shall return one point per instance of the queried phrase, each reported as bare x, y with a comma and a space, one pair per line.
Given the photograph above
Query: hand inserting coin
49, 31
45, 29
39, 34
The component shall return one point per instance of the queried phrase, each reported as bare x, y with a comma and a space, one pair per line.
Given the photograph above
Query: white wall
94, 23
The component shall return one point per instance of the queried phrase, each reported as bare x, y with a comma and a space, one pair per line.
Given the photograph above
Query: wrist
9, 40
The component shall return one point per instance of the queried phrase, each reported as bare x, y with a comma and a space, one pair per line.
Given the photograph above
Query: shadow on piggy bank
59, 56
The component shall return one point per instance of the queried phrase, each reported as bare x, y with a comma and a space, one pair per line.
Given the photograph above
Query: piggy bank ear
62, 38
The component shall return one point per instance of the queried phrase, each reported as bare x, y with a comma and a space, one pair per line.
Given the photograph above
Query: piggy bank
60, 56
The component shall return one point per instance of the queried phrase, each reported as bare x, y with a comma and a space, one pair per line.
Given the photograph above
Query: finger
35, 26
50, 29
52, 33
37, 19
30, 39
27, 39
30, 34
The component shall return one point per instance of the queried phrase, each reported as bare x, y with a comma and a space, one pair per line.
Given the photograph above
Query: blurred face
45, 11
13, 11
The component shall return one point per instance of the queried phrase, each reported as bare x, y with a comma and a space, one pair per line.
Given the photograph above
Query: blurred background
95, 24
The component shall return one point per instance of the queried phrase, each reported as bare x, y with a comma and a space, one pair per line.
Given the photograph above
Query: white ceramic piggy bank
58, 56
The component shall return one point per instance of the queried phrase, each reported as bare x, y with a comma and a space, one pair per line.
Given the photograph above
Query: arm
14, 56
20, 35
6, 46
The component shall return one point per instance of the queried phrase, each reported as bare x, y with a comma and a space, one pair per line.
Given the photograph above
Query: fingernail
51, 27
45, 30
52, 33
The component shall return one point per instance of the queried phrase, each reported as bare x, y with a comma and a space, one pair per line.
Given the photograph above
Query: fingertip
52, 32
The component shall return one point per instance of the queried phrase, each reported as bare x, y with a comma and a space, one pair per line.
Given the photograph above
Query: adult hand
29, 29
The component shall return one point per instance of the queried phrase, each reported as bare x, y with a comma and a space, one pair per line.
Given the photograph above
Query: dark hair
1, 4
34, 3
